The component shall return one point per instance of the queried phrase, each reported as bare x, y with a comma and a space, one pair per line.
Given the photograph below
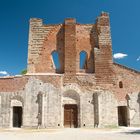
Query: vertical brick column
33, 48
103, 54
70, 46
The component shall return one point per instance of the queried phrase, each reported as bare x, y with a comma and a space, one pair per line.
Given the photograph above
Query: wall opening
17, 116
123, 116
70, 116
83, 60
56, 61
120, 84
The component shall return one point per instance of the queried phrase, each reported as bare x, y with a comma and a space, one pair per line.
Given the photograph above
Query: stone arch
71, 100
17, 99
73, 87
71, 97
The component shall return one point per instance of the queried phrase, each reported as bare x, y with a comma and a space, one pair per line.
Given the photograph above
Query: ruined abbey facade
95, 93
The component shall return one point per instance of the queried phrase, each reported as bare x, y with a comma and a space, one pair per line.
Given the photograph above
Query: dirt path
72, 134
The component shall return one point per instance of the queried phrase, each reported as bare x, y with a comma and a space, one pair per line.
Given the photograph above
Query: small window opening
83, 60
120, 84
55, 59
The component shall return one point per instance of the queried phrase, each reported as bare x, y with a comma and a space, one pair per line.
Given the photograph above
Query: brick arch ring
73, 87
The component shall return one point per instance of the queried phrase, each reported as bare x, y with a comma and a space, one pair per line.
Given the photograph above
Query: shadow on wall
94, 44
86, 62
96, 109
60, 50
138, 101
39, 101
135, 132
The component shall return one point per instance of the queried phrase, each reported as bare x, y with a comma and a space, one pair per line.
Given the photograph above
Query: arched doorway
70, 115
71, 109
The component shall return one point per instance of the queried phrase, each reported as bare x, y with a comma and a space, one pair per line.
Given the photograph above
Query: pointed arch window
83, 60
55, 60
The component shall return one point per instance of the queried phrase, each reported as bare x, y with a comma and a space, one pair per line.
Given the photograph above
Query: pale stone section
72, 94
107, 109
103, 30
104, 36
16, 103
8, 100
134, 109
51, 104
54, 99
122, 103
0, 113
87, 109
5, 110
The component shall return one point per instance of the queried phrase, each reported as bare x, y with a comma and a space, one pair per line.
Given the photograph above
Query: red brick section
130, 79
43, 40
55, 80
54, 41
70, 46
103, 55
70, 49
85, 41
13, 84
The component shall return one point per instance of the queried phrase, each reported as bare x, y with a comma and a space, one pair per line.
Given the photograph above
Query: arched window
120, 84
55, 59
83, 60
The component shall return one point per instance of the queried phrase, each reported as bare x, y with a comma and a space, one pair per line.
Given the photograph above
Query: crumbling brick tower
69, 39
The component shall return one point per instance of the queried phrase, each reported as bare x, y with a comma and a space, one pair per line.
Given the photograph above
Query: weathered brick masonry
100, 94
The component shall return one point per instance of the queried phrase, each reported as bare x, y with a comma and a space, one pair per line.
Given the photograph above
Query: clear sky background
14, 26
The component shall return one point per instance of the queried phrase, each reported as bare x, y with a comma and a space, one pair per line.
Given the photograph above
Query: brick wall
70, 46
69, 39
130, 79
12, 84
103, 54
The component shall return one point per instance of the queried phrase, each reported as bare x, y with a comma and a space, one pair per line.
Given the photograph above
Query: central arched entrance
71, 109
70, 115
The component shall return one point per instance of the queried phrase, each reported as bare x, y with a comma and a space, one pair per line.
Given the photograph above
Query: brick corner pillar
35, 23
103, 55
70, 49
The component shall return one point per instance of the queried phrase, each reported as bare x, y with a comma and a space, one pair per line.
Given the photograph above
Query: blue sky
14, 25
